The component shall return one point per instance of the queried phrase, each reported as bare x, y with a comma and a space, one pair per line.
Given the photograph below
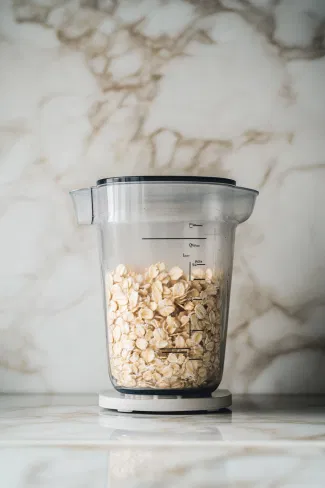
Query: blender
166, 251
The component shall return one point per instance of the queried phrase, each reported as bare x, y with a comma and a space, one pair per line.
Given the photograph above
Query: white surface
52, 441
161, 87
135, 467
113, 400
77, 420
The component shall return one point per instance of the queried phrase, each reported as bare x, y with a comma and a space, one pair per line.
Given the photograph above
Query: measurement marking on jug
194, 246
174, 350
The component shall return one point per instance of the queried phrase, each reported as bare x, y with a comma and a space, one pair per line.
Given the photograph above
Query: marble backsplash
95, 88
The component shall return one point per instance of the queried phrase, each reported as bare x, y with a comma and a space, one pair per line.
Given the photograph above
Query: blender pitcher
166, 252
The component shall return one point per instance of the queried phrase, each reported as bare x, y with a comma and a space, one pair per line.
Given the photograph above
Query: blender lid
166, 179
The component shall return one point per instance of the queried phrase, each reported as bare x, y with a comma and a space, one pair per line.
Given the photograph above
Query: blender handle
83, 205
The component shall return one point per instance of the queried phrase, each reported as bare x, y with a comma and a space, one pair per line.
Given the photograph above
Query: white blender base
113, 400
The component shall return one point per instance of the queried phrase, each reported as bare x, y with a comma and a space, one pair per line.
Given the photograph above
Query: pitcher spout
83, 205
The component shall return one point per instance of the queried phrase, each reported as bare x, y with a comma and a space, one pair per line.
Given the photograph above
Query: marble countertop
67, 441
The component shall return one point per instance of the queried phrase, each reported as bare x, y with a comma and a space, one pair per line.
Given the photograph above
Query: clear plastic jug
166, 251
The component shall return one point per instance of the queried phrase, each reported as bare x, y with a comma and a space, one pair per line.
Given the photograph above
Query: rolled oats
146, 313
175, 273
166, 307
142, 344
163, 327
197, 338
148, 355
200, 311
180, 342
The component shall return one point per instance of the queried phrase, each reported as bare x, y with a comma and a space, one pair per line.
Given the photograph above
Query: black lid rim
166, 179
